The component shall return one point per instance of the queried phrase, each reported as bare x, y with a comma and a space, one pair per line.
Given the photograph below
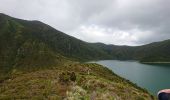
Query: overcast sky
120, 22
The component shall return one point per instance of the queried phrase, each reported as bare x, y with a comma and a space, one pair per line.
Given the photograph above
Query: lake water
151, 77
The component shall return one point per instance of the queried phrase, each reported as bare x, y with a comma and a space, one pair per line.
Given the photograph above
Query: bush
73, 77
66, 77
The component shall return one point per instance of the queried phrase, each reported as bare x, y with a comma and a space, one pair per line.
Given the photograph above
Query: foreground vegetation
70, 82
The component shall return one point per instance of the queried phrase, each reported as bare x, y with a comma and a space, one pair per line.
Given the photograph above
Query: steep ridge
30, 43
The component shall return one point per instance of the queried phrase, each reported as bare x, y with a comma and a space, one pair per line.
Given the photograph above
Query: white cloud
123, 22
95, 33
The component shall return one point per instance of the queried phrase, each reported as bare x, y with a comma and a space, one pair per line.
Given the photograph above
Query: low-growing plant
66, 77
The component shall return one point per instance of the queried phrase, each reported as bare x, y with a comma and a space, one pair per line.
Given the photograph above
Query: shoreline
156, 62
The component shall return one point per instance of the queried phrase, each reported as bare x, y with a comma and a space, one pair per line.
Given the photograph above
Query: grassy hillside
38, 62
18, 48
71, 82
33, 43
154, 52
58, 41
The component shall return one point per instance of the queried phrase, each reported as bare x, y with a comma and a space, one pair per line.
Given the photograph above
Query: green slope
88, 82
33, 54
19, 47
32, 43
35, 43
154, 52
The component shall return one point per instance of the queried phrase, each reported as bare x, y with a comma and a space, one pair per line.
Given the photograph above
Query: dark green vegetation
154, 52
33, 43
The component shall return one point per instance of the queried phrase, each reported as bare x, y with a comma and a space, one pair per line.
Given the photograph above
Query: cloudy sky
120, 22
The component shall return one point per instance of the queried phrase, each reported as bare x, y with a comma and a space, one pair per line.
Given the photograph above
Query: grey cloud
147, 16
137, 13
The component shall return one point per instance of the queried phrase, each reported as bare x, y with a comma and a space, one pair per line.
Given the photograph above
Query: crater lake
151, 77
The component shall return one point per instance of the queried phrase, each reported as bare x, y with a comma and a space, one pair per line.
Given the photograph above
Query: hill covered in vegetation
71, 82
36, 60
153, 52
33, 43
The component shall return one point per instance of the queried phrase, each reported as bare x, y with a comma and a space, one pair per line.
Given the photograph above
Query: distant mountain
154, 52
32, 43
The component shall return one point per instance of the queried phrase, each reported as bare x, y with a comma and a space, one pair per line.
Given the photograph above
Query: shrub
66, 77
73, 77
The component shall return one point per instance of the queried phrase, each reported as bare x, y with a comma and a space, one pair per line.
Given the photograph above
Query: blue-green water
151, 77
